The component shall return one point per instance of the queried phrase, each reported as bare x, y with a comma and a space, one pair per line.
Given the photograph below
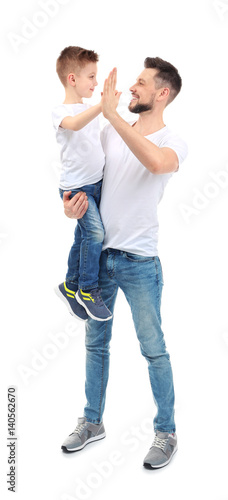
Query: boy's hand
110, 96
77, 206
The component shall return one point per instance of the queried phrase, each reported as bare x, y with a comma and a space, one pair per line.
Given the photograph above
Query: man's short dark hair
166, 76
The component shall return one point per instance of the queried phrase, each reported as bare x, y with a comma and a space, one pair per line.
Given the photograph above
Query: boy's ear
71, 79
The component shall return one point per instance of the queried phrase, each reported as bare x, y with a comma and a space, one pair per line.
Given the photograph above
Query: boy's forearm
82, 119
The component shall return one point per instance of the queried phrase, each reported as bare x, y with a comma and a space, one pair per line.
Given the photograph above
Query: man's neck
149, 122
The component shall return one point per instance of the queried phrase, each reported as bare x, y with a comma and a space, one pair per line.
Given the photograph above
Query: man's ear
163, 94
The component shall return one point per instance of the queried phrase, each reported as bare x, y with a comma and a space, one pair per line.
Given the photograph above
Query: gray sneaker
85, 433
162, 450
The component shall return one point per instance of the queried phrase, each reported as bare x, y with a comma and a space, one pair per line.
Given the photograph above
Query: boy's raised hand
110, 96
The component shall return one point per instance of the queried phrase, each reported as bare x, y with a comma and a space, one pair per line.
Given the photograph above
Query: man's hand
110, 96
77, 206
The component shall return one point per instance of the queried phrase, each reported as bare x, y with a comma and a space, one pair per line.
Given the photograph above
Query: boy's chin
88, 94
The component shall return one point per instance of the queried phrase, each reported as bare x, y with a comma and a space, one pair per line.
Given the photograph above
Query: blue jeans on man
141, 280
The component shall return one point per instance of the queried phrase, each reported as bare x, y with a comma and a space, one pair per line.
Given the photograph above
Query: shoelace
160, 443
79, 429
96, 294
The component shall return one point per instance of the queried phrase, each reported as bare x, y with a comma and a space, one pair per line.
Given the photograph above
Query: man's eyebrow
141, 80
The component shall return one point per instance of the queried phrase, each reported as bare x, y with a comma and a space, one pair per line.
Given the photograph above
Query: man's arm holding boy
75, 207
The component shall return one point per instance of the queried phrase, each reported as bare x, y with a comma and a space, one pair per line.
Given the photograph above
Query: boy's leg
72, 275
66, 291
84, 256
92, 237
83, 261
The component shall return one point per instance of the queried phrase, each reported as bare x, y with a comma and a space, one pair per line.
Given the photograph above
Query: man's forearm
151, 156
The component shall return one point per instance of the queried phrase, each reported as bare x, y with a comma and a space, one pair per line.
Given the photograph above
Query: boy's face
85, 80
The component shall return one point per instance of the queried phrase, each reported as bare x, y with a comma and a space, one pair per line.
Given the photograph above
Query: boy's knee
99, 234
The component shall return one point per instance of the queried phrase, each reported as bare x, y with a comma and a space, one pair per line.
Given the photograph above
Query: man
140, 159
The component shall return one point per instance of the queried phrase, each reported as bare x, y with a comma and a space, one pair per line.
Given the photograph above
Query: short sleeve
58, 113
178, 145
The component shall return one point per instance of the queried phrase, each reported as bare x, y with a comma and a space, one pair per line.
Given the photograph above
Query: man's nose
132, 88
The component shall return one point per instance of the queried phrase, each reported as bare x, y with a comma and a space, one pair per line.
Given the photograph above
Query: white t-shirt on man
131, 193
81, 153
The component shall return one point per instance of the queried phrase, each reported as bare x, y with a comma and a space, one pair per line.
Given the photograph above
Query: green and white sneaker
162, 450
85, 433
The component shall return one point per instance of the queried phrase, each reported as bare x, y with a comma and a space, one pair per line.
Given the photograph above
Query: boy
82, 158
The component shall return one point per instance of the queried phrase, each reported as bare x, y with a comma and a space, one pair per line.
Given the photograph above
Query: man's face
143, 92
86, 80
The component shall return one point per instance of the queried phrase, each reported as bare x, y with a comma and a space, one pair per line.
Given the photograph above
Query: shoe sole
80, 301
61, 296
95, 438
147, 465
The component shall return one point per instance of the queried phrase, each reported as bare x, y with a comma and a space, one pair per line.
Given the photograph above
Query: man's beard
141, 108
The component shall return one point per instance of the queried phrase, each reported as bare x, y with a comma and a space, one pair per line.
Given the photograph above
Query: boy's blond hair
72, 59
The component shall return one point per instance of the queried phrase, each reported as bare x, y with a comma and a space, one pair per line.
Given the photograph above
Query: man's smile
134, 97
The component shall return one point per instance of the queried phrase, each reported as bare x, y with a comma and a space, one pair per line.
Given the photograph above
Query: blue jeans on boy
141, 280
84, 256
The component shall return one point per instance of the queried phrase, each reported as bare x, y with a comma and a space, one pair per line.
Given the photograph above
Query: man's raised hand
110, 96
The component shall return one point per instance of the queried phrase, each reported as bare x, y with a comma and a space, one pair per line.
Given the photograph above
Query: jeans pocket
133, 257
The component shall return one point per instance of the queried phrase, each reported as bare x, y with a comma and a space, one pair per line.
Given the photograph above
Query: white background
35, 237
